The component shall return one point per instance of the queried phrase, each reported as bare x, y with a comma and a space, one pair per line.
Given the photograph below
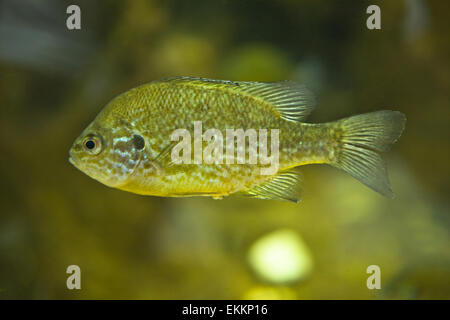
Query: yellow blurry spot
257, 61
270, 293
281, 256
185, 54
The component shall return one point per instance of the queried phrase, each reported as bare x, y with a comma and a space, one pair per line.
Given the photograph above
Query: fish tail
361, 138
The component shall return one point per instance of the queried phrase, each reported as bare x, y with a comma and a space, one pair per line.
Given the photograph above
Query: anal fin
285, 186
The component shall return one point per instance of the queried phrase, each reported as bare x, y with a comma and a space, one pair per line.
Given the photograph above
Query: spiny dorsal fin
294, 102
285, 186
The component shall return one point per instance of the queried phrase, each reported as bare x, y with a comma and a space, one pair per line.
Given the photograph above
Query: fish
130, 144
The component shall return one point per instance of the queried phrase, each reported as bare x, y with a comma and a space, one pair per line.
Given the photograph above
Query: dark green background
54, 81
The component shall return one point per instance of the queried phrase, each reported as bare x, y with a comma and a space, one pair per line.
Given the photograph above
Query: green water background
54, 81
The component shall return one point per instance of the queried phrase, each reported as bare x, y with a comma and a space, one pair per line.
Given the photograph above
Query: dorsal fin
293, 101
285, 186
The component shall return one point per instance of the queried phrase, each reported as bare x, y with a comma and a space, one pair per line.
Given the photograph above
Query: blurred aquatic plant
33, 35
416, 19
181, 54
257, 61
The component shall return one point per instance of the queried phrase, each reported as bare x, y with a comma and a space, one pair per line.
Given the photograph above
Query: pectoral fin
285, 186
164, 157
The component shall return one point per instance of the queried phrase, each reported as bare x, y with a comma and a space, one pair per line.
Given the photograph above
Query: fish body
130, 144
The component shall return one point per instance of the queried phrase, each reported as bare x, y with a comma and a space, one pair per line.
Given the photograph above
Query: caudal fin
362, 138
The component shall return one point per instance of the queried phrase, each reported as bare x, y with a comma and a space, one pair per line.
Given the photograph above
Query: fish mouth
72, 160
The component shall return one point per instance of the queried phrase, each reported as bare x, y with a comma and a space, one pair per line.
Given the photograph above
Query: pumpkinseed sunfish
130, 145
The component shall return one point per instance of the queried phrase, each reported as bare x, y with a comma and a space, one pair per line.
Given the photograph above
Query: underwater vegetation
54, 81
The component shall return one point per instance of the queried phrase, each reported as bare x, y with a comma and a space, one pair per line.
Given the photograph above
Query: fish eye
92, 145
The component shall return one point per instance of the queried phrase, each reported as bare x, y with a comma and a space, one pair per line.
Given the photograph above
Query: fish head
108, 151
